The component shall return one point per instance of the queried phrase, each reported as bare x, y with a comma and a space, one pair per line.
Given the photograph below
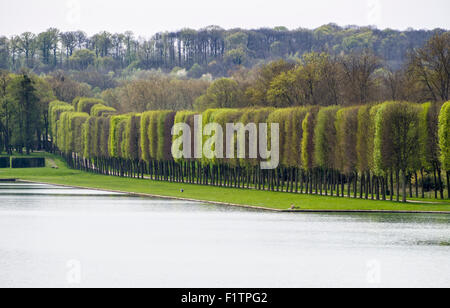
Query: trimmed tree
444, 140
86, 104
397, 135
101, 110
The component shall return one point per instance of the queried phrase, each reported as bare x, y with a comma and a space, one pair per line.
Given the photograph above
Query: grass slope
272, 200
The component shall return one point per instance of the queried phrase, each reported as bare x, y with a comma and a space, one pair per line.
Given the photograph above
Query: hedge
346, 129
325, 138
101, 110
308, 145
5, 162
115, 135
55, 109
257, 116
86, 104
131, 146
27, 162
186, 117
165, 123
444, 136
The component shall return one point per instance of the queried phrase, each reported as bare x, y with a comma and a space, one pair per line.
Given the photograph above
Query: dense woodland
334, 80
210, 50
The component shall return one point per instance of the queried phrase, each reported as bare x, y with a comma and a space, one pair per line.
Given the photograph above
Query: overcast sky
146, 17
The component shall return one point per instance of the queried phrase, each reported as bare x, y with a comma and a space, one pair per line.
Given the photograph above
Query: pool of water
60, 237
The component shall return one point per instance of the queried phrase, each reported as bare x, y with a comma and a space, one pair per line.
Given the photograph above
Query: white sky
146, 17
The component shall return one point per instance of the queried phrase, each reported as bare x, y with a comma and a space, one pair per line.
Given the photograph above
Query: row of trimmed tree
384, 151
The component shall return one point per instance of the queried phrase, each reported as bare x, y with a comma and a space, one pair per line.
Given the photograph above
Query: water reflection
120, 240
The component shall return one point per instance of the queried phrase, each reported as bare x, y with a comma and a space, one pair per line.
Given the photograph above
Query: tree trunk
361, 186
398, 186
410, 186
423, 183
417, 184
435, 185
441, 186
404, 185
391, 193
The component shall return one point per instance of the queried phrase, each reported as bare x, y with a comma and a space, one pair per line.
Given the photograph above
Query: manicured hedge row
321, 146
5, 162
444, 136
27, 162
56, 108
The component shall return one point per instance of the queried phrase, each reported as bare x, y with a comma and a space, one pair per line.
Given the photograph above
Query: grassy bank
273, 200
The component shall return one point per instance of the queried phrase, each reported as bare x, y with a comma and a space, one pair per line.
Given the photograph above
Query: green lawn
265, 199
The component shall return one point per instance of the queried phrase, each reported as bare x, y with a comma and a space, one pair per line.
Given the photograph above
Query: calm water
58, 237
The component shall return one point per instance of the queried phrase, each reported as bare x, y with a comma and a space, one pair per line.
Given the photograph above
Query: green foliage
101, 110
153, 135
291, 132
346, 129
371, 137
429, 135
115, 135
294, 134
145, 122
131, 148
280, 116
27, 97
82, 59
444, 135
383, 161
55, 109
185, 117
223, 93
257, 116
75, 102
363, 143
89, 138
224, 117
386, 137
396, 137
101, 148
164, 132
86, 104
208, 117
196, 71
308, 139
70, 129
153, 132
325, 138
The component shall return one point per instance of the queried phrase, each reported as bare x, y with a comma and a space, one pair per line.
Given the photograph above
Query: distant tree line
210, 50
